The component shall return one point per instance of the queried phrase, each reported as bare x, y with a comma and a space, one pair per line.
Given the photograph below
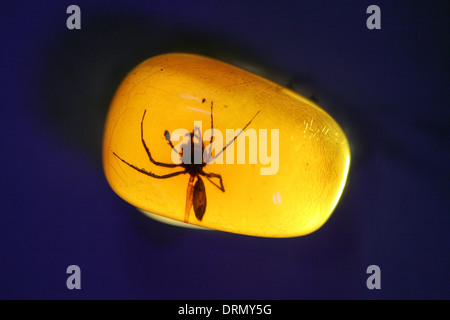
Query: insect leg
214, 175
232, 140
189, 196
212, 125
148, 173
167, 165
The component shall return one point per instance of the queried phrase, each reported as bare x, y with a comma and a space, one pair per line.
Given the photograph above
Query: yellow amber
290, 198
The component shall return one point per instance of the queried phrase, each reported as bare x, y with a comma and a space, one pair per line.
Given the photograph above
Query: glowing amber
293, 197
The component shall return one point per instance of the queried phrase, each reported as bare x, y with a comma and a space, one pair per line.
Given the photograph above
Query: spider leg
161, 164
148, 173
214, 175
189, 198
212, 125
235, 137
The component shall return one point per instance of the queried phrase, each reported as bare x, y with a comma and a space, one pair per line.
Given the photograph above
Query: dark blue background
388, 89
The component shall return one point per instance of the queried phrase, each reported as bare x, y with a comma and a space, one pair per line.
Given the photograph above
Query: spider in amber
196, 193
